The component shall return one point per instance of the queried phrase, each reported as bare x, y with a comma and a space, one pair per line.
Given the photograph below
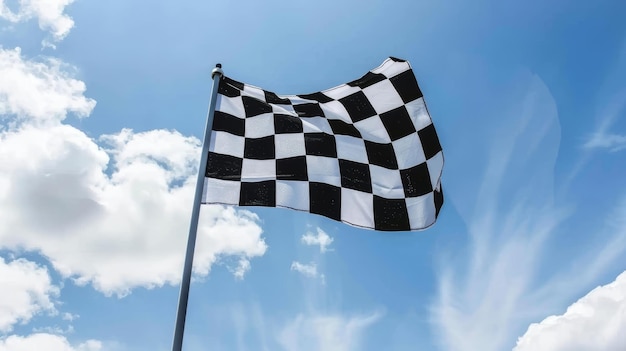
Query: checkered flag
364, 153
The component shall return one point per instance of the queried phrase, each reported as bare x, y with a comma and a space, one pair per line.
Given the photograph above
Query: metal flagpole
195, 214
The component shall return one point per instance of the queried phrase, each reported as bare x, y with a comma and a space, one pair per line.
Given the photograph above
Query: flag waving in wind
364, 153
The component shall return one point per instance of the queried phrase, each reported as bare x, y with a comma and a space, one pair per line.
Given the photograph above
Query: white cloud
595, 322
119, 231
322, 239
612, 142
49, 13
116, 216
69, 316
308, 270
42, 91
325, 332
47, 342
26, 291
242, 268
56, 330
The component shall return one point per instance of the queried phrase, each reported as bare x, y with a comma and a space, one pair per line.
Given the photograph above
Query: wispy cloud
487, 299
320, 239
70, 317
315, 327
56, 330
242, 268
612, 142
611, 100
308, 270
313, 330
602, 138
325, 332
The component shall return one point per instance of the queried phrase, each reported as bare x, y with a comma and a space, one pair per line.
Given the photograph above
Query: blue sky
102, 105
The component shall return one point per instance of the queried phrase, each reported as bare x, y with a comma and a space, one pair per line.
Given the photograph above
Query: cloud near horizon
325, 332
47, 342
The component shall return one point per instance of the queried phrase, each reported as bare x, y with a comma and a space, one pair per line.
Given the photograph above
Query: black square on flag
416, 180
398, 123
309, 110
320, 144
284, 124
390, 214
255, 107
430, 141
224, 167
325, 200
358, 106
292, 168
381, 154
228, 123
355, 176
260, 148
258, 193
406, 85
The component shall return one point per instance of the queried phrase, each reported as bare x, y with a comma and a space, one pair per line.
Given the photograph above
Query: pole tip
217, 70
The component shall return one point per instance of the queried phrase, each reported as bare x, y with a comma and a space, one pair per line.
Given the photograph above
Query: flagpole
195, 214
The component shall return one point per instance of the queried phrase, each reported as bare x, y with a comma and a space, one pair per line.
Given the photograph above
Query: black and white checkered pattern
365, 153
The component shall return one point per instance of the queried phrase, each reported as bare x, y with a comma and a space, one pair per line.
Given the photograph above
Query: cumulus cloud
45, 341
40, 90
114, 211
120, 230
320, 239
26, 291
49, 13
595, 322
332, 332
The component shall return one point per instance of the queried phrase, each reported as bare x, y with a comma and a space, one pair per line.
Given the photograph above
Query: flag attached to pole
365, 153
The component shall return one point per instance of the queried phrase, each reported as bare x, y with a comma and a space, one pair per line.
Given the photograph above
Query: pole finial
217, 70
